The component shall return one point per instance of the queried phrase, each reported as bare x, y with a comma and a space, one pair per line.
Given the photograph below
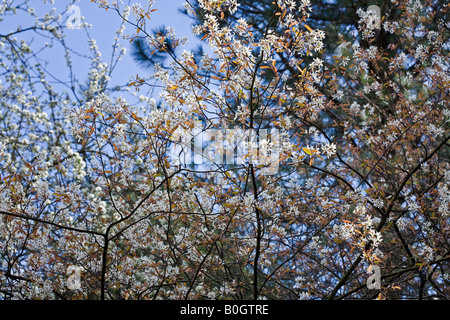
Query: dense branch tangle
362, 179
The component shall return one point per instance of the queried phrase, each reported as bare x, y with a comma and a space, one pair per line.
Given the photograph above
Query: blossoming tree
340, 166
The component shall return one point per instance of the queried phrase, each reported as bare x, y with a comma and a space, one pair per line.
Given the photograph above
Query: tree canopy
301, 152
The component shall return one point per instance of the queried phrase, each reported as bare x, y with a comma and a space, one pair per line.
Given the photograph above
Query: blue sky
104, 25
